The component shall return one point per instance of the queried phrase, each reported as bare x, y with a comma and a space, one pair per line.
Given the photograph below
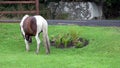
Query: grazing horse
33, 26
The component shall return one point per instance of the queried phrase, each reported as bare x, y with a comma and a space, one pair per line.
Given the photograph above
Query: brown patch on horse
30, 26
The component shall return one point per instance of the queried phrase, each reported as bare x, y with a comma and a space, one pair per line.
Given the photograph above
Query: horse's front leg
38, 43
27, 45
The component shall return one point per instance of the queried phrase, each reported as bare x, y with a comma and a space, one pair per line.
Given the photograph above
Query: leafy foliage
70, 39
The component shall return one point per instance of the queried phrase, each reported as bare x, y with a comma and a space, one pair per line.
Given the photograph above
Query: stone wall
76, 10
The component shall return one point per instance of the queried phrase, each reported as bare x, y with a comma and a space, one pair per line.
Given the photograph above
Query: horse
33, 26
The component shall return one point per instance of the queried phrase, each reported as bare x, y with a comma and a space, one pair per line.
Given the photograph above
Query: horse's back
33, 24
41, 23
40, 20
30, 26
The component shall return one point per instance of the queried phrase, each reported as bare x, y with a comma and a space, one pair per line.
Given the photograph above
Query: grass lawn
103, 50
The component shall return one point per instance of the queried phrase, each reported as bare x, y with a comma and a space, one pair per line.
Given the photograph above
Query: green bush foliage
70, 39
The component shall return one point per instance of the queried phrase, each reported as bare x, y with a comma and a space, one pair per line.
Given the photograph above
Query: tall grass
103, 50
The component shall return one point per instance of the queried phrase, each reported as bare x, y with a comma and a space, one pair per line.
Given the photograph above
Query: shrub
70, 39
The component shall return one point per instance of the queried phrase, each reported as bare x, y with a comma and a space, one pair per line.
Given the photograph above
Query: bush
70, 39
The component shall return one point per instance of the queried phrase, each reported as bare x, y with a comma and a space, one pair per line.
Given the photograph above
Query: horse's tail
45, 37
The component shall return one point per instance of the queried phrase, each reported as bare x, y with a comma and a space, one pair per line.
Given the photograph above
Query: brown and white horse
33, 26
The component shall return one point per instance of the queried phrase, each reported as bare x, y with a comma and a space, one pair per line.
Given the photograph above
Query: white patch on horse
39, 22
27, 45
21, 24
41, 26
22, 31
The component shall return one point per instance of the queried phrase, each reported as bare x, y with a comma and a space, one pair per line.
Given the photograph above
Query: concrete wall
76, 10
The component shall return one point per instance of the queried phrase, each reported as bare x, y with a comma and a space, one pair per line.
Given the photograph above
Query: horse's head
28, 38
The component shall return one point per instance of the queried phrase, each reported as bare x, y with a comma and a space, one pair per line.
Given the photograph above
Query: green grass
103, 50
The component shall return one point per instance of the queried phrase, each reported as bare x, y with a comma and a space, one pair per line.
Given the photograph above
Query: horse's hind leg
38, 43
